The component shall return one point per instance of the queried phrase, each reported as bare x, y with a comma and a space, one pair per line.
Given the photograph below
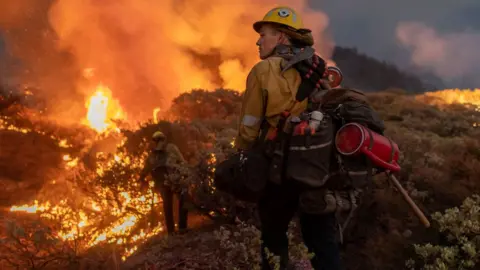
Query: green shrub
461, 227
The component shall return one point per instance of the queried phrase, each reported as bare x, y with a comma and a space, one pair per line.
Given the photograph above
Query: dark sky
371, 25
440, 35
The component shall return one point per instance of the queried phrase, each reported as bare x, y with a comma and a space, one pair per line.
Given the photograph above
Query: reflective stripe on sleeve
250, 120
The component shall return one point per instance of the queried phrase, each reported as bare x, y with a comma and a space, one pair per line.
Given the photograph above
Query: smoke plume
146, 52
453, 56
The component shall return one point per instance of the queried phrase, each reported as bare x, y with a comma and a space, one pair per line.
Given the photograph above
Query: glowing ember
6, 126
70, 163
63, 143
31, 208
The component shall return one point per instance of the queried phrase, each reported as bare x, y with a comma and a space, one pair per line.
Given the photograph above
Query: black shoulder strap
264, 126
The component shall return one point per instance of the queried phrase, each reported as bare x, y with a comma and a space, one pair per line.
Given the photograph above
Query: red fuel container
354, 139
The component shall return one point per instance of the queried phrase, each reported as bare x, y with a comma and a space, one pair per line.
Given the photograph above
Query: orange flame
155, 114
451, 96
83, 219
102, 108
149, 52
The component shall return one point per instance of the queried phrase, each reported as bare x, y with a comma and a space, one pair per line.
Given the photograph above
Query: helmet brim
258, 25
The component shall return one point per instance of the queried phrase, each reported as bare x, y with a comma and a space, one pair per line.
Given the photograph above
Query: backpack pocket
309, 156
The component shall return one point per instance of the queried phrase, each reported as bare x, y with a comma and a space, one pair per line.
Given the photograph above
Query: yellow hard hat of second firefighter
158, 135
284, 16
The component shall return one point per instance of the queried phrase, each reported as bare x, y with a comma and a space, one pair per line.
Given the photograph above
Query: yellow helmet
158, 135
284, 16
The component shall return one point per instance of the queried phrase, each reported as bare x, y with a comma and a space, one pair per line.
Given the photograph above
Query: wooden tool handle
409, 200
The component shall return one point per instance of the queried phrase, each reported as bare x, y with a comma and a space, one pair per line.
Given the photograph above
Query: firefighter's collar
296, 55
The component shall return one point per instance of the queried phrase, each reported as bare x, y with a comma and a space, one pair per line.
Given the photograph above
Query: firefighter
159, 164
268, 93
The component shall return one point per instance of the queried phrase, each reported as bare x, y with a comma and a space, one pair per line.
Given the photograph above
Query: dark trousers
276, 209
167, 197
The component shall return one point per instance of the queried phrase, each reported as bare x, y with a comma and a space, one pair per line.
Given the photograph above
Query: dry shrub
231, 246
439, 157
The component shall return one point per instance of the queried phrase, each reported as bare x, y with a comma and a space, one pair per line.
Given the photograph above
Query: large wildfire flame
103, 110
146, 52
92, 219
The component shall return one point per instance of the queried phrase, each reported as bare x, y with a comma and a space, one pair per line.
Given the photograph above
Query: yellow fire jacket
172, 154
269, 91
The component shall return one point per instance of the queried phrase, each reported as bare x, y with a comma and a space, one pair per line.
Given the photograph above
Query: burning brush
82, 207
96, 208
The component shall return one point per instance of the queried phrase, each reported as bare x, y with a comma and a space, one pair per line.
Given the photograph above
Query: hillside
440, 161
369, 74
440, 155
71, 187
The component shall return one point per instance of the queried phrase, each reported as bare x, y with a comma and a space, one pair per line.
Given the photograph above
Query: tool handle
409, 200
